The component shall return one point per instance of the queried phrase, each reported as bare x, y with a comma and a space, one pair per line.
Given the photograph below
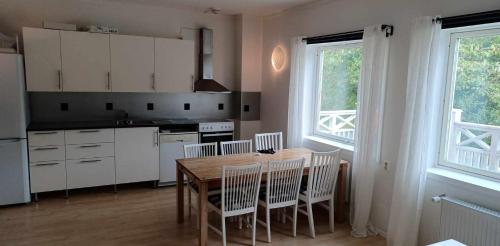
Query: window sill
463, 179
328, 142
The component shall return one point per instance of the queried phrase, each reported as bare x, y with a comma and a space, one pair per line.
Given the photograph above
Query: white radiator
468, 223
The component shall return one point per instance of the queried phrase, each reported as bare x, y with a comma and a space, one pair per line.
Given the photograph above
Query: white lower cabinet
46, 153
137, 154
47, 176
93, 150
74, 159
90, 172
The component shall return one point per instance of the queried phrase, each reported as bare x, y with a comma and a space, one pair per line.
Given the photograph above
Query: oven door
211, 137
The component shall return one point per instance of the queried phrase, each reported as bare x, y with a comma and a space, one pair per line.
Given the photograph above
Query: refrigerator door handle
9, 141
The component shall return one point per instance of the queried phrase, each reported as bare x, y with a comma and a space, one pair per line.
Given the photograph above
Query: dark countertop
98, 124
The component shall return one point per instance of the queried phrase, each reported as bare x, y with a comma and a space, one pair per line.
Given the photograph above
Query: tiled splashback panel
83, 106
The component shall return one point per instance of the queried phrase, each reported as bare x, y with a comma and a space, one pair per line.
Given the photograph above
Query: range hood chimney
206, 82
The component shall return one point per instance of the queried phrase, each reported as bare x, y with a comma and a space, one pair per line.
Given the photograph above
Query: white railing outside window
338, 123
473, 145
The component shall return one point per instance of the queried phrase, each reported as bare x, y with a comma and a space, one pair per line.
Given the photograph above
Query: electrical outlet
386, 165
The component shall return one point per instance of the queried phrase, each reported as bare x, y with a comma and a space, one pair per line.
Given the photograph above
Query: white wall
326, 17
129, 19
251, 67
249, 31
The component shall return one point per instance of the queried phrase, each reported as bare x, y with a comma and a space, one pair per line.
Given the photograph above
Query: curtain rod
345, 36
470, 19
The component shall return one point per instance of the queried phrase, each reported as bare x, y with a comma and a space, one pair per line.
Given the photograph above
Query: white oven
220, 131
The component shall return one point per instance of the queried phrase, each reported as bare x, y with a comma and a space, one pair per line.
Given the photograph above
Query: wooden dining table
207, 172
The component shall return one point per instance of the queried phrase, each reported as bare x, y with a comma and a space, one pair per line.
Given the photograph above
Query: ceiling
231, 7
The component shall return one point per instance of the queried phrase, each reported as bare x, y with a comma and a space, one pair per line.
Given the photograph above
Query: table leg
341, 194
202, 213
180, 195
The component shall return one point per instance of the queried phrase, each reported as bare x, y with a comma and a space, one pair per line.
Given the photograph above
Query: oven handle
216, 134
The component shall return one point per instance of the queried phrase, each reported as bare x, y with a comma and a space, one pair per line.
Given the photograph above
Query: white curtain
296, 97
420, 135
371, 94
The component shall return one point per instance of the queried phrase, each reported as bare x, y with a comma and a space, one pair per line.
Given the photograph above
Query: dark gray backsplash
84, 106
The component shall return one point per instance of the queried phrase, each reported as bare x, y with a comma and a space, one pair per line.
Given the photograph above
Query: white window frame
317, 88
452, 36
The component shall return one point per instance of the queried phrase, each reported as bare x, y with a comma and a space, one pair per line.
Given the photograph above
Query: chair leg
240, 222
283, 216
254, 229
189, 202
332, 215
295, 220
268, 224
223, 231
248, 221
196, 217
311, 219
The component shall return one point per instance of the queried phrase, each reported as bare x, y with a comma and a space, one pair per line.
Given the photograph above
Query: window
471, 124
337, 74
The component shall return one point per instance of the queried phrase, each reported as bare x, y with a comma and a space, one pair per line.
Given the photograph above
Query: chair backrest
283, 182
200, 150
265, 141
323, 174
240, 189
236, 147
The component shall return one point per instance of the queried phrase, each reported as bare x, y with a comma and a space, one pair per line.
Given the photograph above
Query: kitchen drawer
179, 138
91, 172
82, 151
43, 138
90, 136
46, 153
47, 176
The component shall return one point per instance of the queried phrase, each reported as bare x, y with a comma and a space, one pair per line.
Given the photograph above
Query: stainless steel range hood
206, 82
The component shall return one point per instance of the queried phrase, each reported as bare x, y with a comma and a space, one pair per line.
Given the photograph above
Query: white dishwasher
171, 149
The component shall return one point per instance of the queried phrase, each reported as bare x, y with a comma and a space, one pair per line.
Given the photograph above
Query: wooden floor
139, 215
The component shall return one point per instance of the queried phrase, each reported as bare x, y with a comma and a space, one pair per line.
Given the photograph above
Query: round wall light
278, 58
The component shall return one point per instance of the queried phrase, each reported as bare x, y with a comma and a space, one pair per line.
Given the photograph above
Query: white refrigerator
14, 174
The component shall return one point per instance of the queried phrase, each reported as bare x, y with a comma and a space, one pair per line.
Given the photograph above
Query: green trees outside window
477, 83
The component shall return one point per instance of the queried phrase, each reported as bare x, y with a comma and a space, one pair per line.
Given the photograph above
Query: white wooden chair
239, 196
236, 147
197, 151
200, 150
282, 190
321, 182
264, 141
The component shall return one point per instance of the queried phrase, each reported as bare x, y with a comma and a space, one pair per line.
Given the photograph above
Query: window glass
338, 78
473, 132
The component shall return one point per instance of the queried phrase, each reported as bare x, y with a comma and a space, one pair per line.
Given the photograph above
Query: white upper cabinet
174, 65
132, 63
42, 51
96, 62
85, 61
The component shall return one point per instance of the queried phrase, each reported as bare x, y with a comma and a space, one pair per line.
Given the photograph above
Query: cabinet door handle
155, 138
192, 82
109, 81
90, 146
179, 140
46, 148
89, 161
60, 79
47, 164
44, 133
88, 131
153, 79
